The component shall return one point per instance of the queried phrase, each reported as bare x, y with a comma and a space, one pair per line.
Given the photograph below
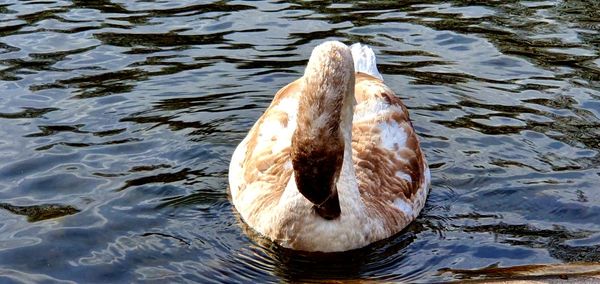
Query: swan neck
323, 132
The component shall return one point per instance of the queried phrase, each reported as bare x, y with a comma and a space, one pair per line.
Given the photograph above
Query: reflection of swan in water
334, 163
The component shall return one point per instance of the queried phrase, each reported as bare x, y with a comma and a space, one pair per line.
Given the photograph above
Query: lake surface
118, 120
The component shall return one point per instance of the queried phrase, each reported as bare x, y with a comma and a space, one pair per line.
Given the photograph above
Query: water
118, 119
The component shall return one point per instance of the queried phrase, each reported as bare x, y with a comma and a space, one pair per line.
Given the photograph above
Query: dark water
118, 119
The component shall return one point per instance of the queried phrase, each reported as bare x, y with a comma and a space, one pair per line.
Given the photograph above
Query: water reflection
119, 117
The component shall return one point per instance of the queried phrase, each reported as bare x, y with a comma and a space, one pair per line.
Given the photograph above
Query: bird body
334, 163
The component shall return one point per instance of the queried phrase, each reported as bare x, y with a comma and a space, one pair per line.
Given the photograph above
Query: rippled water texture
118, 119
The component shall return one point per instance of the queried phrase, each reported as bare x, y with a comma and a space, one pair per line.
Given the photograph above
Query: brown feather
375, 165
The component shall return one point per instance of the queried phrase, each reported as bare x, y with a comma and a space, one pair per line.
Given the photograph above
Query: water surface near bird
118, 120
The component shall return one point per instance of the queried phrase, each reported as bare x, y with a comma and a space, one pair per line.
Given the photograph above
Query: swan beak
330, 209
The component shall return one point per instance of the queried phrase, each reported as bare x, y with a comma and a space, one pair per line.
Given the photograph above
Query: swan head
324, 126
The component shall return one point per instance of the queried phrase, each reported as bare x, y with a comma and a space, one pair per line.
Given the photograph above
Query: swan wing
391, 171
261, 167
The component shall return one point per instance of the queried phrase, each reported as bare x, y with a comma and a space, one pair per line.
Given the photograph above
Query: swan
334, 163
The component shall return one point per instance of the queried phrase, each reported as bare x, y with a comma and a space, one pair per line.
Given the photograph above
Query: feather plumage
383, 181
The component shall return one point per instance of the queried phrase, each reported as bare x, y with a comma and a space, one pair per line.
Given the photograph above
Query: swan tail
364, 60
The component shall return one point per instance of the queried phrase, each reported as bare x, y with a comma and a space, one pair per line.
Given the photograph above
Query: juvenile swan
334, 163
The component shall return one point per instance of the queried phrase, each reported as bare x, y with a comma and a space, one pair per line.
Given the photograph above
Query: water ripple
119, 117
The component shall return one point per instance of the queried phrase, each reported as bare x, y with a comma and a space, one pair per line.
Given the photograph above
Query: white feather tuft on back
364, 60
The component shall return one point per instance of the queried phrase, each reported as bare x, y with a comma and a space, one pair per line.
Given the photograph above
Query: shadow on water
120, 118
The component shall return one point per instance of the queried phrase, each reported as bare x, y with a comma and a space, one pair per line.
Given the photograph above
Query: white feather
364, 60
404, 206
392, 135
404, 176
